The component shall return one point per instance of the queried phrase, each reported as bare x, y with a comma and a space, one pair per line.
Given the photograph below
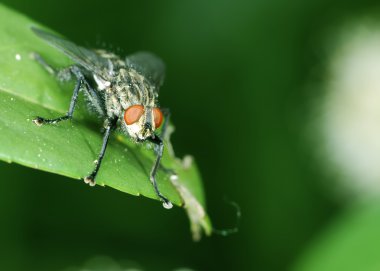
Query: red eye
133, 113
158, 117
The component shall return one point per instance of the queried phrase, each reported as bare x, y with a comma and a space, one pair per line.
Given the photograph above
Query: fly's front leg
160, 150
80, 80
166, 113
110, 125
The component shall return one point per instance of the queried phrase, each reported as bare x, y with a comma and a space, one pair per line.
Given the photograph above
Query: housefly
123, 92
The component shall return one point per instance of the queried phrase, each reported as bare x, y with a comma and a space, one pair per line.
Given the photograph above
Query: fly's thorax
113, 59
134, 88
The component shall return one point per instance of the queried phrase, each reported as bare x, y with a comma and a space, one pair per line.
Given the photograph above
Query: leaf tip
198, 218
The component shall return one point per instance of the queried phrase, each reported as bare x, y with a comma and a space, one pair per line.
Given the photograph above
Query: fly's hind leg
40, 120
37, 57
64, 74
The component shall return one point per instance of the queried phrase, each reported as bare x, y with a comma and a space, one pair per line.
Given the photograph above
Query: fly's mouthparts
148, 126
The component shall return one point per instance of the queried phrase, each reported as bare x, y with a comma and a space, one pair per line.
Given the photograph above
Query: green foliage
351, 243
27, 91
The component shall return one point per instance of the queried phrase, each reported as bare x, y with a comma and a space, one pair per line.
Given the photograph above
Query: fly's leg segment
163, 135
80, 81
109, 127
64, 74
40, 120
82, 84
44, 64
159, 151
167, 114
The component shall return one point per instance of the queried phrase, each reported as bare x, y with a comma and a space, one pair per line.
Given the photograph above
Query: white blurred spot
18, 57
187, 161
174, 177
351, 110
102, 84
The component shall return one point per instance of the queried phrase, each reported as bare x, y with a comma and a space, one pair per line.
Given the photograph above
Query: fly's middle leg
110, 125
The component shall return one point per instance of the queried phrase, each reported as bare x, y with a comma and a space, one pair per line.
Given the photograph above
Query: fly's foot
90, 180
39, 121
166, 203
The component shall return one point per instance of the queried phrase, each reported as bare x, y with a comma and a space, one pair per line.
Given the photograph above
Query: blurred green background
238, 77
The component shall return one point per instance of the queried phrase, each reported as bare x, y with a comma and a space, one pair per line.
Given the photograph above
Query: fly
123, 92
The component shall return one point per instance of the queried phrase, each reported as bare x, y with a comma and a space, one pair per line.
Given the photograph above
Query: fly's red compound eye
158, 117
133, 113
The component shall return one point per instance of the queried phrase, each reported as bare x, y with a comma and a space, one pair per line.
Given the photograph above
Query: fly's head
141, 121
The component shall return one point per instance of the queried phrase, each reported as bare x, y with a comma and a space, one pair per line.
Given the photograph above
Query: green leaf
351, 243
27, 91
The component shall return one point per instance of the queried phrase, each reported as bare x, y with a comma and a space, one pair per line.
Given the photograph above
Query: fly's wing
84, 57
148, 65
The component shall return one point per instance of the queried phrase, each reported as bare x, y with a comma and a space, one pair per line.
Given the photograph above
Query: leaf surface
70, 148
